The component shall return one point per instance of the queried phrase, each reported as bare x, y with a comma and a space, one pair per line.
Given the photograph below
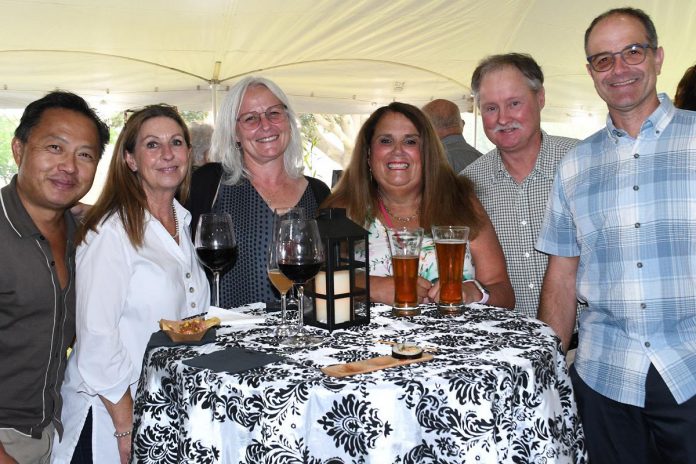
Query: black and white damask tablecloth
497, 391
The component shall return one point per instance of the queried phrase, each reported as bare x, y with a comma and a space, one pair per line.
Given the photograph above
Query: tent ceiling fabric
330, 56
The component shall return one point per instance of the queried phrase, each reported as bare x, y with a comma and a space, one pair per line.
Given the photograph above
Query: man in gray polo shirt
513, 181
57, 147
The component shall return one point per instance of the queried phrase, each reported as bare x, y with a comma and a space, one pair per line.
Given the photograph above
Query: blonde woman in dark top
258, 153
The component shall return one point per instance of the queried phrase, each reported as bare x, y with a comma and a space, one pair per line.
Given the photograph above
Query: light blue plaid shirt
627, 208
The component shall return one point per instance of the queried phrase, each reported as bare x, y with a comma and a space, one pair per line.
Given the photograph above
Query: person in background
398, 176
685, 97
57, 146
135, 265
449, 126
258, 149
514, 179
201, 136
620, 227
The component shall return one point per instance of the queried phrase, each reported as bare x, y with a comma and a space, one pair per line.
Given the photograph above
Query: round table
496, 391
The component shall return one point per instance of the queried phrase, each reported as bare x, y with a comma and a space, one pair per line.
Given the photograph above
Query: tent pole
213, 99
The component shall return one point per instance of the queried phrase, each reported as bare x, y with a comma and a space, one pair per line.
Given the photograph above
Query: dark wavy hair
685, 97
446, 198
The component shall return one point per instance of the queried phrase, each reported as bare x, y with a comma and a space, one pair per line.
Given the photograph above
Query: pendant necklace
400, 218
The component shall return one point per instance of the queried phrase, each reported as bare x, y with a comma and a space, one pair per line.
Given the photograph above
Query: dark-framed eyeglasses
631, 54
274, 114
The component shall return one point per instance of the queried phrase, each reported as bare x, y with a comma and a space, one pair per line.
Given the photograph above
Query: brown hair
523, 62
123, 192
446, 198
685, 97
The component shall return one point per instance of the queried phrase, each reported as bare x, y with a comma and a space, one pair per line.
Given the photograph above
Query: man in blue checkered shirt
620, 227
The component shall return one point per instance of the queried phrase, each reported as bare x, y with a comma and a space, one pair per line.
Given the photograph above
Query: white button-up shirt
122, 293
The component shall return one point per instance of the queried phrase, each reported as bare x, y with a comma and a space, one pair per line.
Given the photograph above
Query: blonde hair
225, 149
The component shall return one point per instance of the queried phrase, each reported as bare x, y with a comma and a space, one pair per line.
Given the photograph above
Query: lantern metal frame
341, 290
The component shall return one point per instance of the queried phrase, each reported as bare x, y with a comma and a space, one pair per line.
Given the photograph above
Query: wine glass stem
216, 289
300, 306
283, 307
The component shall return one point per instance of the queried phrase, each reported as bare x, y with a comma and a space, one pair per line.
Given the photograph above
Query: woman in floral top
398, 177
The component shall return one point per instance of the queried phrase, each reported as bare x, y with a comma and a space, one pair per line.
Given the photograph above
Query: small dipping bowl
406, 351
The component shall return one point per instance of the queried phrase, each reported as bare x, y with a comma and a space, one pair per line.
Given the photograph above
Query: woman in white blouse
135, 265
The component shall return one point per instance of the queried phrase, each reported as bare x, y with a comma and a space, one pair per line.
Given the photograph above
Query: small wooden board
370, 365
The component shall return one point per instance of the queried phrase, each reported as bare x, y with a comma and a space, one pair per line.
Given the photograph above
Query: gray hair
201, 135
523, 62
224, 146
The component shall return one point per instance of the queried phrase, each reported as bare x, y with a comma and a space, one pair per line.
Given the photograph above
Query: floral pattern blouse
380, 257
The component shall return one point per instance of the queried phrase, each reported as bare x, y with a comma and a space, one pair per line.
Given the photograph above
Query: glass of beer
405, 246
450, 248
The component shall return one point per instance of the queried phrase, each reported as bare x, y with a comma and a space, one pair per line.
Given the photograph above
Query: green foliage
7, 165
194, 116
9, 123
308, 129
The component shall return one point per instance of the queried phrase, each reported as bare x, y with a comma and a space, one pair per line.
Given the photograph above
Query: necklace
176, 223
400, 218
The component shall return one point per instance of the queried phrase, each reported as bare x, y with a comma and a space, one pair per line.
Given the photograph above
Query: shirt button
643, 305
647, 344
53, 263
531, 285
637, 224
636, 155
193, 305
188, 275
191, 290
524, 223
635, 187
640, 265
41, 237
526, 255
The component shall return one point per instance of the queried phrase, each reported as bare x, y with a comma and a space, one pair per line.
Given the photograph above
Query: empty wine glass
277, 278
300, 255
216, 247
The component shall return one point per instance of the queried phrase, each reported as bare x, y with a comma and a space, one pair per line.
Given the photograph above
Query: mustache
512, 125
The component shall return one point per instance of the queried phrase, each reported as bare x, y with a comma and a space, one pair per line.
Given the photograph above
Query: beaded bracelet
122, 434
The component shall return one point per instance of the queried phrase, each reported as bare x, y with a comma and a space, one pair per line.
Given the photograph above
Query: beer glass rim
450, 227
413, 230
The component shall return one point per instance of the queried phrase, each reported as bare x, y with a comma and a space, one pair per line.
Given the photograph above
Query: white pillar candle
342, 305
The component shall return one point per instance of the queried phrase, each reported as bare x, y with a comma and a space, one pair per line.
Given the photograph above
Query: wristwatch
484, 291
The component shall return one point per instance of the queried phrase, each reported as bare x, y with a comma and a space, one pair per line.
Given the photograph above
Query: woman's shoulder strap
320, 190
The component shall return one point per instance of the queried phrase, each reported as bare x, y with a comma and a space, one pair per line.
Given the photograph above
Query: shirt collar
652, 127
544, 164
19, 218
15, 212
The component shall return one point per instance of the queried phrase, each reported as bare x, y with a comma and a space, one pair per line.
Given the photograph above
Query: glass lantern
341, 290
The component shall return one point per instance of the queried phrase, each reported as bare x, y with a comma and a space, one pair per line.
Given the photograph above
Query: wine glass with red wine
300, 255
277, 278
216, 247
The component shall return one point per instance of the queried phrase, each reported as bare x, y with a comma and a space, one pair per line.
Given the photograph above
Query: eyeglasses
632, 54
274, 114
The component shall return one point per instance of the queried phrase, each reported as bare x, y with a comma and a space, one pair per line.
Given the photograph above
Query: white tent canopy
330, 56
